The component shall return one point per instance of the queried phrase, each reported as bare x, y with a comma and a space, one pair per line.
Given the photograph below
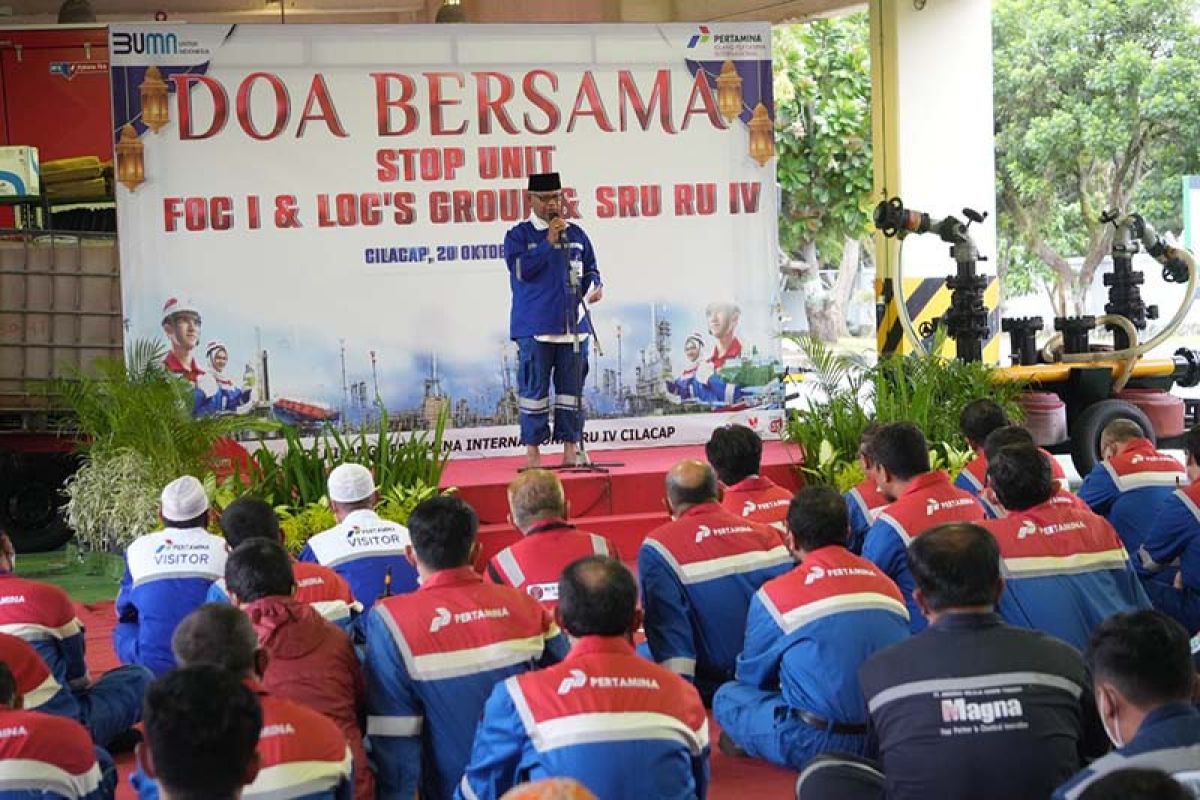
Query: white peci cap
184, 499
176, 305
349, 483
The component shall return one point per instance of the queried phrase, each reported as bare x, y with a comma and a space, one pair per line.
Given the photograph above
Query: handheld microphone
553, 215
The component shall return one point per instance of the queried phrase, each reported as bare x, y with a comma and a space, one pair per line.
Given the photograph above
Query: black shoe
729, 747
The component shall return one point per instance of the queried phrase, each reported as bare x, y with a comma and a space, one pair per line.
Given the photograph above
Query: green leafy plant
927, 390
407, 468
137, 433
301, 524
137, 405
111, 500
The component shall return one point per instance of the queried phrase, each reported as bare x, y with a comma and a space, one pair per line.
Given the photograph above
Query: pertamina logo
750, 506
358, 536
817, 572
1142, 459
704, 531
933, 505
443, 617
578, 679
1029, 528
702, 37
171, 554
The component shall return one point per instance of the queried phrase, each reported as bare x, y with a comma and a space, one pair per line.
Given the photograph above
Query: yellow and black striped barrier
928, 298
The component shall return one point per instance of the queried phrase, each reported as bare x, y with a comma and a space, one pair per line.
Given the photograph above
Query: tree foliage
823, 133
1093, 112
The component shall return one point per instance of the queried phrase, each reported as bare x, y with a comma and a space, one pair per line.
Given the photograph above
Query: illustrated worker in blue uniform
551, 266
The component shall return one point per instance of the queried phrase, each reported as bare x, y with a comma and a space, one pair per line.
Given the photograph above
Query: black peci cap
544, 182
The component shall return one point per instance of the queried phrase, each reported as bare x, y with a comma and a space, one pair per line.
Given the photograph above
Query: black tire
1085, 433
31, 499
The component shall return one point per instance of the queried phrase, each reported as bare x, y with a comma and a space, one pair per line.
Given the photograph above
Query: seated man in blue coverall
1144, 682
1131, 484
796, 693
1174, 538
698, 574
619, 724
434, 655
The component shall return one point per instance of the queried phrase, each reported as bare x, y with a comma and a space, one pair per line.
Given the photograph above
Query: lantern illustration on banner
154, 99
729, 91
762, 135
131, 166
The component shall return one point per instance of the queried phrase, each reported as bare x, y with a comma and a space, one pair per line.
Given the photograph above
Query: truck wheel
31, 500
1085, 433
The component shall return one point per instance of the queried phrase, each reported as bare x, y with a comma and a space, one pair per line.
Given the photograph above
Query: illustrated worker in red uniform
723, 318
735, 452
181, 325
538, 509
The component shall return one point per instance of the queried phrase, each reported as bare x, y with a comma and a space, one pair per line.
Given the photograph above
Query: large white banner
330, 203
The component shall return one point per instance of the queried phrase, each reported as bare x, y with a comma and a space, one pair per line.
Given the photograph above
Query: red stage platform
624, 503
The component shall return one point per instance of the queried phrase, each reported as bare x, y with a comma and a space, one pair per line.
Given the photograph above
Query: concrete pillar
933, 144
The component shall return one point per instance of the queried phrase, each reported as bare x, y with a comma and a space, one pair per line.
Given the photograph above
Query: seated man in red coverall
538, 509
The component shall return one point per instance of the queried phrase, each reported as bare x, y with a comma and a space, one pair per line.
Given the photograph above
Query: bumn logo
154, 43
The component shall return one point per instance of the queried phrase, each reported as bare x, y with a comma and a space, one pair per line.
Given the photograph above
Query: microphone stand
573, 287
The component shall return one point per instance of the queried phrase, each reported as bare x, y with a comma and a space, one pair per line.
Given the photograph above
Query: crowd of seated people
991, 637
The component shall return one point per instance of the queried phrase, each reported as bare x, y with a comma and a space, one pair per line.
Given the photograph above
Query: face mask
1114, 735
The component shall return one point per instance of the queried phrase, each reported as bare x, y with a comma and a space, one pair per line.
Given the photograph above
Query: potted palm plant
849, 393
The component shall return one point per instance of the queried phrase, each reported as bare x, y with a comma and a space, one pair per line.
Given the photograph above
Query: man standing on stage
551, 265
